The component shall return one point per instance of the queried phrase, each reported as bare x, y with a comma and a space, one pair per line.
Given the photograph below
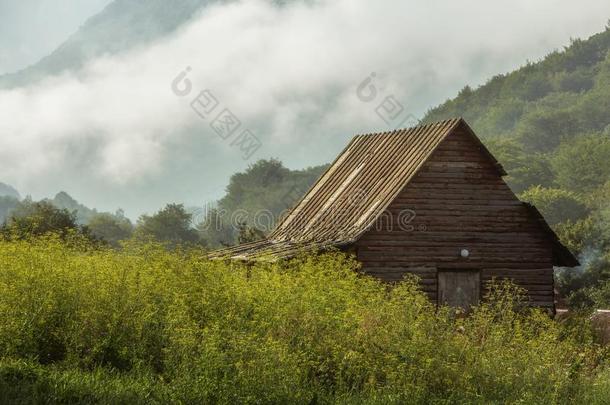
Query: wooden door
459, 288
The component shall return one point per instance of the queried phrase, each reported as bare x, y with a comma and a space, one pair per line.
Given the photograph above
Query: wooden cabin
429, 201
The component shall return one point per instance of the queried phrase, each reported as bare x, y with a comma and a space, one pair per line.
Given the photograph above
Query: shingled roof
354, 191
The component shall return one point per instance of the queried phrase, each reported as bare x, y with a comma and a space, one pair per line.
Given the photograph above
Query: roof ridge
419, 126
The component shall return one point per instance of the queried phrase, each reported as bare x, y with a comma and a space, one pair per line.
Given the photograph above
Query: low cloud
114, 134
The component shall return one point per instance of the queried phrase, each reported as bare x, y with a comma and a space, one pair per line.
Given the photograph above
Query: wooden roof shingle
360, 184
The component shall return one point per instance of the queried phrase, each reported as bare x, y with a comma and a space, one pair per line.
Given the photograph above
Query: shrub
172, 225
110, 228
556, 205
144, 324
579, 235
32, 219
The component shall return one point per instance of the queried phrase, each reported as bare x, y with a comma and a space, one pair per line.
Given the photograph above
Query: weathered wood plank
460, 202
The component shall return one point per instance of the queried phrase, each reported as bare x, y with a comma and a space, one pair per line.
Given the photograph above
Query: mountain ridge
120, 26
559, 81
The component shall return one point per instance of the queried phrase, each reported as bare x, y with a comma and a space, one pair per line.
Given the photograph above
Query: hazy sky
31, 29
117, 136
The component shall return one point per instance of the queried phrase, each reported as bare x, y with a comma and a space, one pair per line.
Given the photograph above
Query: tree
501, 117
524, 169
584, 163
171, 225
579, 235
535, 86
111, 228
32, 219
257, 197
575, 82
555, 204
543, 130
587, 286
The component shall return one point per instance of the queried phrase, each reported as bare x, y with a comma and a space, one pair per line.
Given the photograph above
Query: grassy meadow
82, 324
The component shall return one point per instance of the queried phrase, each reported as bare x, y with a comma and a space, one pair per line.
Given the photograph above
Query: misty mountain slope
63, 200
7, 190
122, 25
10, 199
542, 104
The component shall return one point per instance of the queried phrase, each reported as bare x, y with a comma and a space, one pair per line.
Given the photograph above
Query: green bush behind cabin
142, 324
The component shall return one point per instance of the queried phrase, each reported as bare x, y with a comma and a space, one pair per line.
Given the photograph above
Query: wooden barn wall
460, 202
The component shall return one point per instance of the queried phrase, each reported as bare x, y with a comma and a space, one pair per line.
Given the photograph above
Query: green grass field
142, 325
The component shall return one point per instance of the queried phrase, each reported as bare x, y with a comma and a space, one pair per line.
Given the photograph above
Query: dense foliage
548, 123
172, 226
111, 228
255, 200
32, 219
144, 325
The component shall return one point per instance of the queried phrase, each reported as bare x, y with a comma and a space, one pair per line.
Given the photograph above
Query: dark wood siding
459, 201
